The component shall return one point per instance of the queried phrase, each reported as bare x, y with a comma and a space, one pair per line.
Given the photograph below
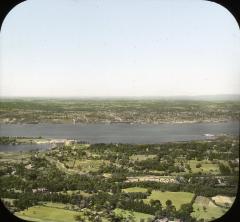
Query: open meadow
48, 214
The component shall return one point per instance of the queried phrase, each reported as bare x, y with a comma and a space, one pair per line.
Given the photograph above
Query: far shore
120, 122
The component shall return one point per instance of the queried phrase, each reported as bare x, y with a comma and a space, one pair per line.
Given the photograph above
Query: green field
177, 198
206, 167
48, 214
136, 215
55, 212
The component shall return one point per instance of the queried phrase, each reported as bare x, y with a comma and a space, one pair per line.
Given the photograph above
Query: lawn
134, 189
177, 198
47, 214
136, 215
210, 212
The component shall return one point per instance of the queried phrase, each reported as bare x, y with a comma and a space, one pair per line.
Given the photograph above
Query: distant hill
186, 97
229, 97
214, 97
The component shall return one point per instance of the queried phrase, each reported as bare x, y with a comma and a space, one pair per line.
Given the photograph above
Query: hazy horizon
92, 49
187, 97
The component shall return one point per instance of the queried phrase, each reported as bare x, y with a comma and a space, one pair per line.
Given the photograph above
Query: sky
105, 48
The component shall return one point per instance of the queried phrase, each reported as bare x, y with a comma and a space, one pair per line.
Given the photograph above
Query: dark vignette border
233, 6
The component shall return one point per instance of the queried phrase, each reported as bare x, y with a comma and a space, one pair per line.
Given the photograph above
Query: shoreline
63, 141
122, 122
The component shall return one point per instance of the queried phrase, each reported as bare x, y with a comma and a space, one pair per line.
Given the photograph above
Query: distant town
143, 111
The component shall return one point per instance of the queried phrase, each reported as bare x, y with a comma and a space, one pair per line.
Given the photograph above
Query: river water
117, 132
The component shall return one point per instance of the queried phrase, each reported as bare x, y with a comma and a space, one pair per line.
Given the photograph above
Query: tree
224, 169
168, 203
157, 205
198, 165
79, 218
170, 210
185, 212
149, 191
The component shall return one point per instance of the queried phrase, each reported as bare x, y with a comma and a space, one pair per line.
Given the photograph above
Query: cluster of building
62, 142
153, 178
40, 190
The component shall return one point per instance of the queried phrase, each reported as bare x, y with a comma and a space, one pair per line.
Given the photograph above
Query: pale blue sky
119, 48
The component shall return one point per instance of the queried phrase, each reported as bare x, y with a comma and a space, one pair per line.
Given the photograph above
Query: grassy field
206, 167
14, 157
55, 212
177, 198
48, 214
134, 189
210, 212
137, 216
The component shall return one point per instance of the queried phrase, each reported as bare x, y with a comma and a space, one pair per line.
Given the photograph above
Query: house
57, 141
69, 142
39, 190
165, 219
62, 142
28, 167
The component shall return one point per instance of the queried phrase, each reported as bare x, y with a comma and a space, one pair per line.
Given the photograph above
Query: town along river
116, 133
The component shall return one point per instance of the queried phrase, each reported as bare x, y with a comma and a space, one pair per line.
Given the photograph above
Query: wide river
119, 132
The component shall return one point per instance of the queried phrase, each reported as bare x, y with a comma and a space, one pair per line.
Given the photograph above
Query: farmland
177, 198
48, 214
